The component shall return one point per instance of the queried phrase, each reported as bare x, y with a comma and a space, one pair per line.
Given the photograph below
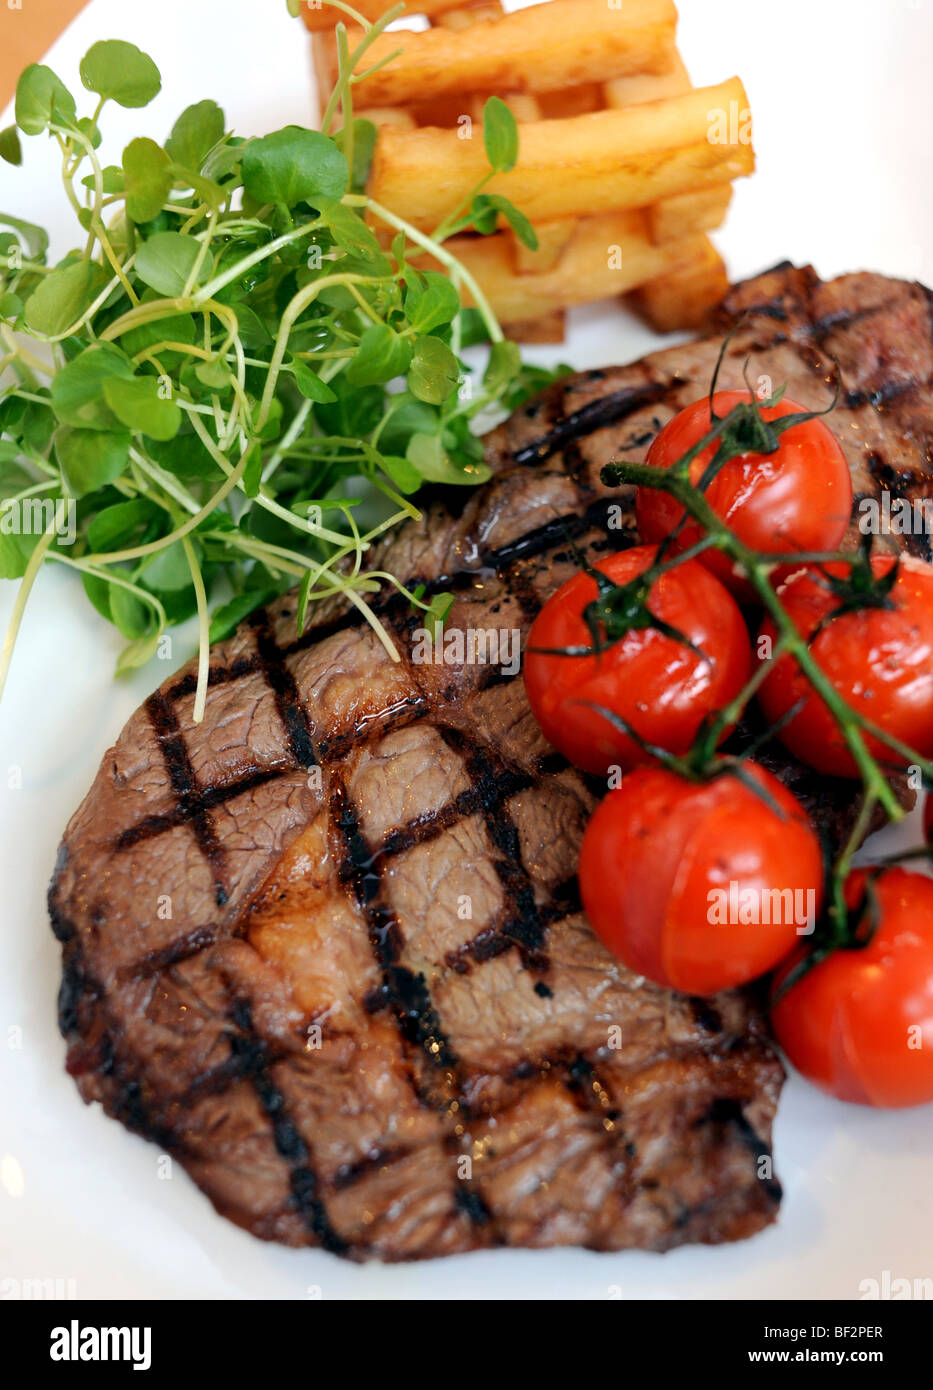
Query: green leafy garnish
232, 342
119, 72
500, 135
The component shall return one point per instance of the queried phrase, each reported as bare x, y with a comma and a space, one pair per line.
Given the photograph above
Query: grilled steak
326, 947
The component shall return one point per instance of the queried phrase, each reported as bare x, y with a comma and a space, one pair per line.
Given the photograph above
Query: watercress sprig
231, 385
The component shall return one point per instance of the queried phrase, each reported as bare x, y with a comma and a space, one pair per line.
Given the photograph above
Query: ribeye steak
326, 947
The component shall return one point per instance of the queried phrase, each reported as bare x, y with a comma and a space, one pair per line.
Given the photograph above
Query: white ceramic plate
843, 109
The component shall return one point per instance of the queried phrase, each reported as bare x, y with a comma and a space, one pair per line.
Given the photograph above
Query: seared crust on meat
326, 948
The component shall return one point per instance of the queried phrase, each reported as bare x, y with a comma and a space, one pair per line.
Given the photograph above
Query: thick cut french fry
682, 297
572, 101
396, 116
464, 19
603, 162
640, 87
607, 255
540, 49
445, 112
523, 105
552, 239
686, 214
317, 14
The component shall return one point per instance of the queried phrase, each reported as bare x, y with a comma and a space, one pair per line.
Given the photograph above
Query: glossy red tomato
798, 498
860, 1024
879, 660
679, 879
658, 685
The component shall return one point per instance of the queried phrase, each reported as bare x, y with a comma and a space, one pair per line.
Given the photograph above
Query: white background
843, 106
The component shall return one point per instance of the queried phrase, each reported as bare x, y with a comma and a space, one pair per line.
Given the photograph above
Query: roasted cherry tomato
879, 660
700, 886
798, 498
860, 1024
658, 685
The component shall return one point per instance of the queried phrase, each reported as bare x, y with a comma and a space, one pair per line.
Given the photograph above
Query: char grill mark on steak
724, 1110
288, 702
216, 675
505, 560
407, 997
192, 943
492, 784
208, 798
709, 1053
563, 529
251, 1058
190, 805
606, 410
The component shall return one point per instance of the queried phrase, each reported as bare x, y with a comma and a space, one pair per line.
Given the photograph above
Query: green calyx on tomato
878, 657
617, 610
676, 654
768, 467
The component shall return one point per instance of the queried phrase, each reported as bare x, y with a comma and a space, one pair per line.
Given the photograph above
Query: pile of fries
623, 167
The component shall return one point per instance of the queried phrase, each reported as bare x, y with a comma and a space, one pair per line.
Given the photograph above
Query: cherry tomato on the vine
798, 498
879, 660
700, 886
659, 686
860, 1024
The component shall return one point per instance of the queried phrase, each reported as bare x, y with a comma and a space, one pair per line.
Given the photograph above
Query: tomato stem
757, 567
756, 570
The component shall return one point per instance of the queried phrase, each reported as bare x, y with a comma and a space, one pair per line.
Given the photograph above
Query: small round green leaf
132, 616
138, 404
11, 306
168, 570
294, 165
434, 372
89, 130
42, 100
427, 453
198, 129
124, 524
144, 648
10, 148
503, 365
382, 355
15, 550
174, 328
120, 72
77, 390
148, 179
36, 239
310, 384
90, 459
165, 261
60, 299
430, 301
349, 230
112, 180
